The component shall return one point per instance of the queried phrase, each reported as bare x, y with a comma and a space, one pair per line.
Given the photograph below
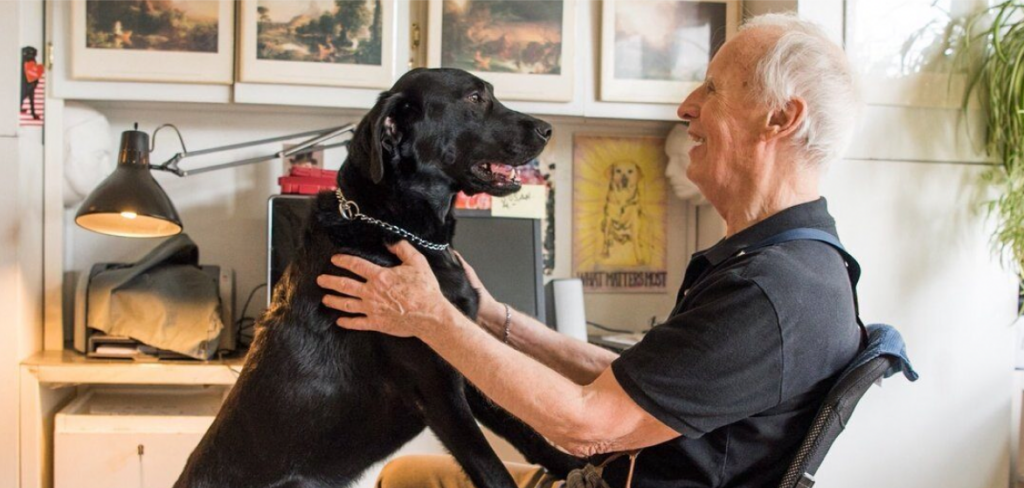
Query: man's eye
711, 87
475, 98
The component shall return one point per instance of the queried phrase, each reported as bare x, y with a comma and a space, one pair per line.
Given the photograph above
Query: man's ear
386, 135
788, 119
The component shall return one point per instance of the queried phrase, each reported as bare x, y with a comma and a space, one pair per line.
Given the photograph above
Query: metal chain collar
349, 210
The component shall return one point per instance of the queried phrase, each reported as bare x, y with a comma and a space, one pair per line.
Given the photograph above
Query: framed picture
619, 204
349, 43
657, 51
900, 47
158, 41
525, 48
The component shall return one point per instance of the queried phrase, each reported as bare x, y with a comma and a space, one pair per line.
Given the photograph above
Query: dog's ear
608, 173
639, 173
385, 133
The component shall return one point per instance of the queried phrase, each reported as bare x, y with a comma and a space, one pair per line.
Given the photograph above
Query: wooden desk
66, 368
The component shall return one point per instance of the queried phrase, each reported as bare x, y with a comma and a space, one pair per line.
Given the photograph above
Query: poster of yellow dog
619, 213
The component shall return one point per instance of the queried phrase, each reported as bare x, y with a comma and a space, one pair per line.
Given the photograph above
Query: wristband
508, 322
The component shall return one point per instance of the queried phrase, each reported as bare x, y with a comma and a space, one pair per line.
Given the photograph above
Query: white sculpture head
677, 147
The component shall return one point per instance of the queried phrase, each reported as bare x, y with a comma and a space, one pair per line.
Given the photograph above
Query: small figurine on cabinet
31, 72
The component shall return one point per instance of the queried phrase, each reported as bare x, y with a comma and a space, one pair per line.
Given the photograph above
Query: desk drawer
130, 437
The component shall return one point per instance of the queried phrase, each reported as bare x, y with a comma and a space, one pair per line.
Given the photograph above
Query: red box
308, 181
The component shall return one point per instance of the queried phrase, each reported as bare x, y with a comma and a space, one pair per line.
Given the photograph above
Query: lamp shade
130, 203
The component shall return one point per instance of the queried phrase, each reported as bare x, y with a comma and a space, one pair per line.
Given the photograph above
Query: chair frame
831, 420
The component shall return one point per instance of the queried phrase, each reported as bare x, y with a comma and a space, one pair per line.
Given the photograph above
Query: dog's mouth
497, 175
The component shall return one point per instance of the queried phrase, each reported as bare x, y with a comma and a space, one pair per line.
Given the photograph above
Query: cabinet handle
142, 474
49, 56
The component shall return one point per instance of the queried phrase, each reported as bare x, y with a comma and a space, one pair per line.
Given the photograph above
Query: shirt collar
811, 214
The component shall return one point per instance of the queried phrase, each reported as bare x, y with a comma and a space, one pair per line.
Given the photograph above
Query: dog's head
446, 125
624, 176
28, 53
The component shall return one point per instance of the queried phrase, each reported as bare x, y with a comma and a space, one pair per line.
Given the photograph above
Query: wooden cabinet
130, 437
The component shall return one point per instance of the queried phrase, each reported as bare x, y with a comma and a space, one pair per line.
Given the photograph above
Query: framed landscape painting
348, 43
153, 40
657, 51
525, 48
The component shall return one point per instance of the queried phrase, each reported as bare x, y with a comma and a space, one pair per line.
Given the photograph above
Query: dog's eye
475, 98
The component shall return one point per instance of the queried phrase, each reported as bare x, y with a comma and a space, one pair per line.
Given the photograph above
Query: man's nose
690, 108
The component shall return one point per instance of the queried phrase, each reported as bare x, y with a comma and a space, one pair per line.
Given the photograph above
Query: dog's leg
527, 441
32, 101
24, 91
447, 413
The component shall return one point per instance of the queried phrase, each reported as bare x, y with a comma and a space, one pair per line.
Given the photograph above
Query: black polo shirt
746, 357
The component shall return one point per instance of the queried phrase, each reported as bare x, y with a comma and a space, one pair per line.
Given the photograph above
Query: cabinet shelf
68, 368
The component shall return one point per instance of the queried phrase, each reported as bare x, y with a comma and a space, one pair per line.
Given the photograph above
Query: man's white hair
805, 63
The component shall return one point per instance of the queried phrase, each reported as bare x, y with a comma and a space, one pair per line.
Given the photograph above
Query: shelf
585, 103
69, 368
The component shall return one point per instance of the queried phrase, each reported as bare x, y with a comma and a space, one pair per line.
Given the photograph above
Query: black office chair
877, 361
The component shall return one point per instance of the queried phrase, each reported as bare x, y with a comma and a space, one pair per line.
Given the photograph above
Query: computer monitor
505, 252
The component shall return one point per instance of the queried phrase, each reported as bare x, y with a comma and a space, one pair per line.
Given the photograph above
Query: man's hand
403, 301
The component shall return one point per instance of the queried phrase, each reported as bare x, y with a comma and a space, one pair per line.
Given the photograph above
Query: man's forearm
541, 397
579, 361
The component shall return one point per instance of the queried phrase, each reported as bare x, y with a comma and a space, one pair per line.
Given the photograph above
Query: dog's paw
588, 476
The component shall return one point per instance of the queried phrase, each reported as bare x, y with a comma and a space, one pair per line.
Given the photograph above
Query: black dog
29, 69
317, 405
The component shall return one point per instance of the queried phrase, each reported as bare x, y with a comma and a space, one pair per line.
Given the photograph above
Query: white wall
20, 232
908, 203
925, 250
20, 240
9, 319
9, 89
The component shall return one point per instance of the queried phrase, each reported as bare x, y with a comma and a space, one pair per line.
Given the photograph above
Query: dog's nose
543, 130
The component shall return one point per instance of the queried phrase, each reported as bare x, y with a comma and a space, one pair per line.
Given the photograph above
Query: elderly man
722, 393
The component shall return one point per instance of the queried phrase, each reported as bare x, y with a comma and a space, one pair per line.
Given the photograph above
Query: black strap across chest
808, 234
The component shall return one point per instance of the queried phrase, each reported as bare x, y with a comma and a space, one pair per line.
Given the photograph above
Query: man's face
724, 122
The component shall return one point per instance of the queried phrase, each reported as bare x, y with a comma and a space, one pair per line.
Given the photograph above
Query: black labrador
316, 405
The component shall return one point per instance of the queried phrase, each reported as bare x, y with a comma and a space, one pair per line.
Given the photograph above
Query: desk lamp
130, 202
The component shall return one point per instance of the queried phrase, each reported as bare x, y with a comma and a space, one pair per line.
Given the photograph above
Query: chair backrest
831, 419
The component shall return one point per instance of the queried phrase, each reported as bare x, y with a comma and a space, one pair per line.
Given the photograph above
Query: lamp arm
318, 136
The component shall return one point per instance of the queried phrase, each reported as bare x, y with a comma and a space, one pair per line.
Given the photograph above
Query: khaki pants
438, 471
